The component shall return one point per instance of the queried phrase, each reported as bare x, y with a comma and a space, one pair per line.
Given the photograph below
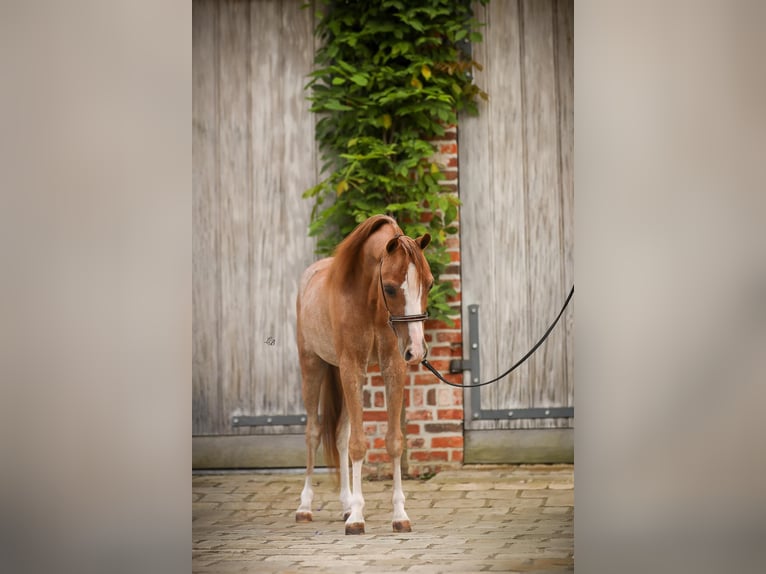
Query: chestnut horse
364, 305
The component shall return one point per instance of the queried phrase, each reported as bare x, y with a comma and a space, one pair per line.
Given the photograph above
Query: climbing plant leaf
389, 79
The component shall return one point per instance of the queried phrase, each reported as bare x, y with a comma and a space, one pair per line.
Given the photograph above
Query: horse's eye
390, 290
430, 286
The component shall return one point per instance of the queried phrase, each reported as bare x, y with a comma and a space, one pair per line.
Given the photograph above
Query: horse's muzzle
413, 358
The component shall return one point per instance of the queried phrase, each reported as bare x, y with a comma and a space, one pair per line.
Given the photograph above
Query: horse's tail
332, 407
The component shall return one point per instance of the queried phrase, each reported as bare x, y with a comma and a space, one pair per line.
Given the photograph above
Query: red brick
457, 456
425, 455
378, 457
440, 364
380, 400
452, 242
448, 148
457, 298
379, 442
431, 397
375, 416
443, 427
419, 415
416, 442
412, 429
455, 414
449, 187
373, 368
449, 336
434, 325
447, 441
456, 379
366, 399
443, 351
377, 381
426, 379
448, 397
450, 175
449, 134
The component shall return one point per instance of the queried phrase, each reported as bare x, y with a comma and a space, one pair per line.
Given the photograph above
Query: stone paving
478, 519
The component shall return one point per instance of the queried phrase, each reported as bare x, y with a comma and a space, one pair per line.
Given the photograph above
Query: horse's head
405, 280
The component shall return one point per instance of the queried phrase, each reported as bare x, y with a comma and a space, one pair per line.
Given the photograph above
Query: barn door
253, 156
517, 186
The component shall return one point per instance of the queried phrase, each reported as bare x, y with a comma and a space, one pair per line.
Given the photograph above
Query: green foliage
388, 78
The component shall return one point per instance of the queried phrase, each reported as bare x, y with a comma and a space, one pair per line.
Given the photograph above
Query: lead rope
431, 368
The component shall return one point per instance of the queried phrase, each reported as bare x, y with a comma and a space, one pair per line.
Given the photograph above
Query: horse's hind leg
313, 373
352, 376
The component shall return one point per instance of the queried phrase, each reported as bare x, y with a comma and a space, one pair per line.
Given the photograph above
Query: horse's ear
391, 245
423, 240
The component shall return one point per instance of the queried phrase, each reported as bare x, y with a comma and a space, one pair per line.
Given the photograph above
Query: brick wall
433, 417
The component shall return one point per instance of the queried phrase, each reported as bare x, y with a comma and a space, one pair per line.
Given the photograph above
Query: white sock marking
398, 499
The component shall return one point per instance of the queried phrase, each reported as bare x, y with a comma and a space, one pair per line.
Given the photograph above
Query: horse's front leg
395, 376
344, 435
352, 378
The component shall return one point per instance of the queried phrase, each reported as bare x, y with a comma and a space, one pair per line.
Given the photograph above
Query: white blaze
412, 294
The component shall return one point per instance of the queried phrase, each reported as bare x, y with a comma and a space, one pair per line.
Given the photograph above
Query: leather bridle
391, 317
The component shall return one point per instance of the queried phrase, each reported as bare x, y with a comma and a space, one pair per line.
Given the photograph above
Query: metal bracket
473, 364
457, 366
267, 420
514, 414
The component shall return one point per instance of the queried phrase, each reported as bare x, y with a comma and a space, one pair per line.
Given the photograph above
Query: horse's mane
411, 249
346, 255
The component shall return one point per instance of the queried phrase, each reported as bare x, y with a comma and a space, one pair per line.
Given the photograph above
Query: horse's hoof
346, 515
303, 516
355, 528
402, 526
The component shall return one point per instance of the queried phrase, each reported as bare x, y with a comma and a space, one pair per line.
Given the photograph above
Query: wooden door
517, 188
253, 155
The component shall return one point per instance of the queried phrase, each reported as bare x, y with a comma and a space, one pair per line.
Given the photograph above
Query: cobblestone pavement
478, 519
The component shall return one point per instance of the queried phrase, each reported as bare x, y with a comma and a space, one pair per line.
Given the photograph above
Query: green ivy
389, 77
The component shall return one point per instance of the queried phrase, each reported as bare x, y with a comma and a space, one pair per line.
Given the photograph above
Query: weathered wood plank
236, 333
475, 187
205, 286
544, 218
267, 265
283, 166
299, 166
254, 451
517, 216
565, 68
526, 446
254, 154
508, 206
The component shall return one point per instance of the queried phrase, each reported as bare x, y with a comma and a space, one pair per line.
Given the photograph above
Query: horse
364, 305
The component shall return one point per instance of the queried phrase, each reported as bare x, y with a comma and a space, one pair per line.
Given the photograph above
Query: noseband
396, 318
